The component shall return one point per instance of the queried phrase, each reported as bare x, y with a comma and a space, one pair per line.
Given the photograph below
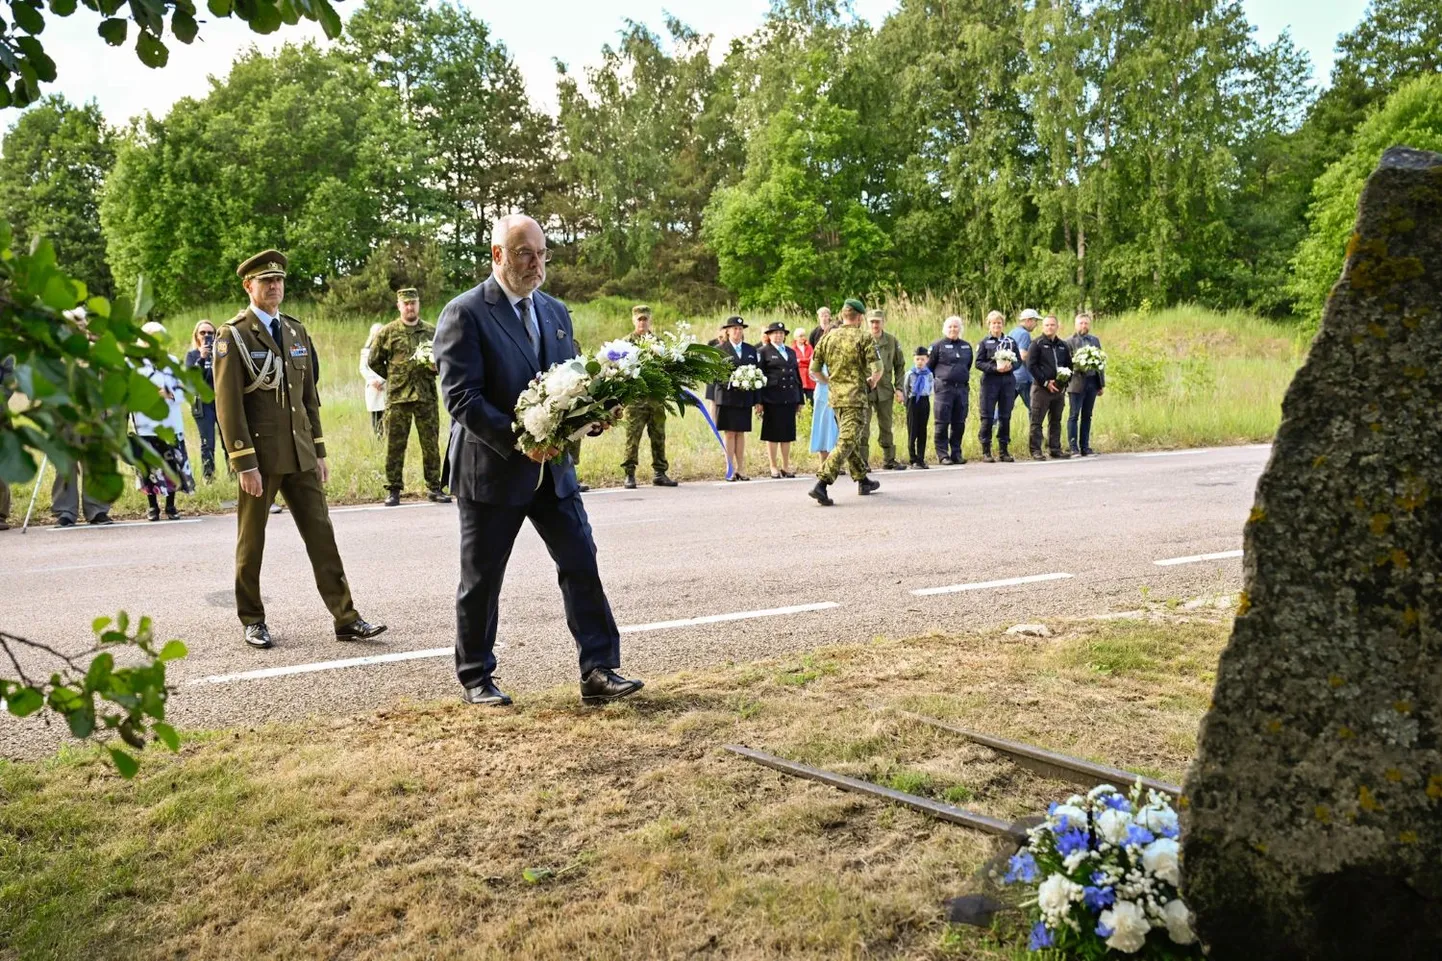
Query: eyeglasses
544, 255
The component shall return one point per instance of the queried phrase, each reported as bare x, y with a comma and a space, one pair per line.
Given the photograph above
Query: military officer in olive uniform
853, 368
648, 416
269, 414
410, 396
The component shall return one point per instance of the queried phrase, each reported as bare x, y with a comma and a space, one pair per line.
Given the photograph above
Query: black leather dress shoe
101, 519
258, 635
438, 496
604, 684
486, 694
661, 480
359, 630
866, 485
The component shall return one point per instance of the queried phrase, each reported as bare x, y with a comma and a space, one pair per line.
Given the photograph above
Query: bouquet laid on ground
1063, 376
748, 377
1089, 359
582, 394
1004, 358
425, 353
1105, 868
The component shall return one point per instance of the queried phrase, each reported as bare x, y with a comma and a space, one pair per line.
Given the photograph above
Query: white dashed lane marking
1197, 558
984, 585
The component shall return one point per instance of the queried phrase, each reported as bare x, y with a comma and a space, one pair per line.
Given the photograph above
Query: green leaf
152, 52
98, 673
35, 53
62, 8
124, 763
266, 19
166, 735
113, 31
99, 625
173, 651
16, 463
60, 292
25, 702
27, 17
81, 721
536, 875
144, 298
184, 27
113, 390
329, 19
106, 352
220, 8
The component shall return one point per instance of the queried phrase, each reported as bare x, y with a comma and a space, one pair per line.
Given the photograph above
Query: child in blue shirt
916, 391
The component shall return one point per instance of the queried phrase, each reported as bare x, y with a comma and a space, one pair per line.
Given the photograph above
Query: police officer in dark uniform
950, 361
269, 413
998, 386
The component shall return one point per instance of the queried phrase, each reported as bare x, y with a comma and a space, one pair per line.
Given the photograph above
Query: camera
209, 338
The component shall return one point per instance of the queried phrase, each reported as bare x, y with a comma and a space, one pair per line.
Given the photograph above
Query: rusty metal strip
1062, 767
938, 810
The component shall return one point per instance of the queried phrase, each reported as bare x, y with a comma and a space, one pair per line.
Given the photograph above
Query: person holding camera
201, 357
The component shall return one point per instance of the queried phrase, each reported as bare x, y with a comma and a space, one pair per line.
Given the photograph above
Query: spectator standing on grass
778, 401
733, 407
269, 411
998, 386
647, 416
1083, 391
882, 399
400, 354
803, 349
174, 476
375, 384
1021, 334
950, 359
201, 357
823, 324
916, 390
1047, 354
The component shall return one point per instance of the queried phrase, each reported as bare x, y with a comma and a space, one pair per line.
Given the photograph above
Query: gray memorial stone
1313, 812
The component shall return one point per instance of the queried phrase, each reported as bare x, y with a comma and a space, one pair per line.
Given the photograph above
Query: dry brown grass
411, 833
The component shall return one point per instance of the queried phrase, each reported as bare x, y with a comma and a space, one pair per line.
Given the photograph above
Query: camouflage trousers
650, 418
851, 422
398, 433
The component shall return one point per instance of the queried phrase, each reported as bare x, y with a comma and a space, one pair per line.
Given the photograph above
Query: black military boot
986, 457
866, 485
661, 480
818, 494
1006, 457
630, 483
438, 496
393, 498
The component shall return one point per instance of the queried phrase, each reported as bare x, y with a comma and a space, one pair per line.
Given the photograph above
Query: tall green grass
1181, 377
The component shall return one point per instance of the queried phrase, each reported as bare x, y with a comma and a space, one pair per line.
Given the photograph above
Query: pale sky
572, 31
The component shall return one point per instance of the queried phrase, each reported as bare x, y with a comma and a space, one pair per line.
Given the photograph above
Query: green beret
267, 263
855, 305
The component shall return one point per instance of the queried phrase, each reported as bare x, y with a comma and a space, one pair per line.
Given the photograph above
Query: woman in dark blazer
733, 407
779, 399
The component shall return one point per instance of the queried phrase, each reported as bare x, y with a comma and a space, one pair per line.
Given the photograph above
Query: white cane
44, 460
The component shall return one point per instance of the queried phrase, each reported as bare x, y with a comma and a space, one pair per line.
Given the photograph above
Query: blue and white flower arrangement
1105, 868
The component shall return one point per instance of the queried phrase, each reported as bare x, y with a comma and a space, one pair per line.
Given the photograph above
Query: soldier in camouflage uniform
648, 415
410, 396
853, 368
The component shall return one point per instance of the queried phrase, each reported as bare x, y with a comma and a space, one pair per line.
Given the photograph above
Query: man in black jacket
998, 386
950, 361
1048, 355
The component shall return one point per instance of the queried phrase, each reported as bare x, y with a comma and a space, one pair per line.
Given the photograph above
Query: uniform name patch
259, 354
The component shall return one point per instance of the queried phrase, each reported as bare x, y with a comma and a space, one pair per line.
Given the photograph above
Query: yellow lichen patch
1259, 847
1336, 680
1346, 733
1318, 461
1244, 604
1274, 726
1380, 523
1407, 837
1393, 775
1402, 707
1411, 321
1414, 494
1322, 813
1409, 617
1413, 372
1256, 516
1366, 800
1377, 330
1434, 787
1359, 502
1400, 560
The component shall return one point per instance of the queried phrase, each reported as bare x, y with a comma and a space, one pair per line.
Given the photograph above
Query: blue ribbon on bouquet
701, 406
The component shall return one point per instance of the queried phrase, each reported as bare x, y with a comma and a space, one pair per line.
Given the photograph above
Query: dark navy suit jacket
485, 361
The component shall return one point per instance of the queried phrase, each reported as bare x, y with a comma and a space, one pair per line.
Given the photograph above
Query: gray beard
516, 286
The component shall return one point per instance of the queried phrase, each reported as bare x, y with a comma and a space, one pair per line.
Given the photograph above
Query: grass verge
553, 831
1184, 377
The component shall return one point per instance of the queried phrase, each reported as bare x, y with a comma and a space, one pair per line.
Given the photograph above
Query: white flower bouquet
425, 353
1063, 376
1089, 359
579, 395
1005, 360
747, 377
1106, 868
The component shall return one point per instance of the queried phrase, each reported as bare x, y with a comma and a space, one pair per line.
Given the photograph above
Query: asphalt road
676, 563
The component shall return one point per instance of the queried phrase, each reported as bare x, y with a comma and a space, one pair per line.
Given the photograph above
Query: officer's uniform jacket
893, 363
266, 399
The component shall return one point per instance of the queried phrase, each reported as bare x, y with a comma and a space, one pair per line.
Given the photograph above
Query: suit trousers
998, 397
488, 532
951, 408
67, 494
1079, 418
1047, 408
918, 415
306, 499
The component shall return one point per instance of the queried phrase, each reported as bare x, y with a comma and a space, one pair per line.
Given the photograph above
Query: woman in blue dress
824, 428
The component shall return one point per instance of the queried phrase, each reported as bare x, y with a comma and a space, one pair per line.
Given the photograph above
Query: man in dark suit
490, 342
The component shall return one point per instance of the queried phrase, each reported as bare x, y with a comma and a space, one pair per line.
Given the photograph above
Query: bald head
518, 253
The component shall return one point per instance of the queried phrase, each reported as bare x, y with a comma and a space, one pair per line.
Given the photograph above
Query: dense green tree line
1070, 152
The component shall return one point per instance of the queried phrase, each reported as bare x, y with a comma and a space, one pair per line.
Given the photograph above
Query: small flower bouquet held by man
424, 353
578, 396
748, 377
1089, 359
1005, 360
1063, 376
1105, 868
